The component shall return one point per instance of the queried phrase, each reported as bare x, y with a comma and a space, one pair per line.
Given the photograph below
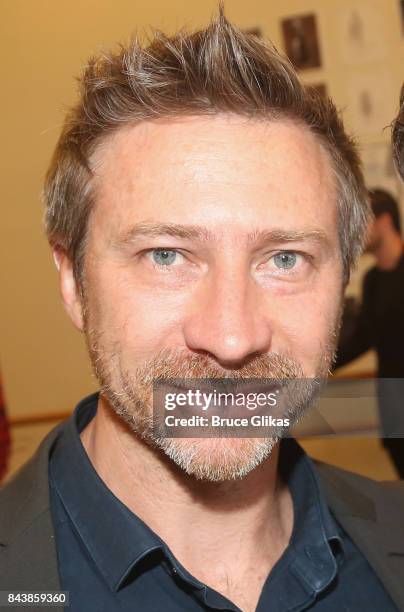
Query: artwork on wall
371, 102
301, 41
361, 33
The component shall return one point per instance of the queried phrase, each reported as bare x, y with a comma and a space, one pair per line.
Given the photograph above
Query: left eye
285, 260
164, 257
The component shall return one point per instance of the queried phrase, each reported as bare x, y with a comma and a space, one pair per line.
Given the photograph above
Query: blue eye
164, 257
285, 261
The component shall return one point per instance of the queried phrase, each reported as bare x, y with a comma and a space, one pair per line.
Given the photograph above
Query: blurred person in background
379, 324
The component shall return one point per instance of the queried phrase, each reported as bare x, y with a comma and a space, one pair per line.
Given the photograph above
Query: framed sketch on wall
371, 101
301, 41
361, 32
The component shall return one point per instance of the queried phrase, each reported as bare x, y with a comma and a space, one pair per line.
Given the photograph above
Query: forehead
213, 169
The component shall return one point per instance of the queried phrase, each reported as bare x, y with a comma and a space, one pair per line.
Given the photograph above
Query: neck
389, 251
237, 523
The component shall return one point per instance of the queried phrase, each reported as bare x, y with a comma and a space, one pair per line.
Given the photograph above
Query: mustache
174, 364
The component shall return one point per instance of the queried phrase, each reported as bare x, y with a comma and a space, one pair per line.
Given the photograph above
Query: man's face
212, 250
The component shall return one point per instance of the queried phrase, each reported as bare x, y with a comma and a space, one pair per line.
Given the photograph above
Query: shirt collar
315, 550
115, 538
118, 540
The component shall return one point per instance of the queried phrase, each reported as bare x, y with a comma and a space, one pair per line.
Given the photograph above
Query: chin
217, 459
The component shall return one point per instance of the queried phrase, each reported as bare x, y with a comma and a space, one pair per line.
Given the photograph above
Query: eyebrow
154, 230
202, 234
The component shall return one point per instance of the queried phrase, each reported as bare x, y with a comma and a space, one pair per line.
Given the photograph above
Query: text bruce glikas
218, 421
200, 399
203, 401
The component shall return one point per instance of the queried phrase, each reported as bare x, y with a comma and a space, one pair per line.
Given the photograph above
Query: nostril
227, 365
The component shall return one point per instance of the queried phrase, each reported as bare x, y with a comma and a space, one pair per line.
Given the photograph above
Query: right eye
164, 257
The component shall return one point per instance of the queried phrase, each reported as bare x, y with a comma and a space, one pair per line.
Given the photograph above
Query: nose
228, 319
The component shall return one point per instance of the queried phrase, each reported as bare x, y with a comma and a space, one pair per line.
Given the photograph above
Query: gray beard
216, 460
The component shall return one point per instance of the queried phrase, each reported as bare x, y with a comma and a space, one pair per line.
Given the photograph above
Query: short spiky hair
398, 137
216, 70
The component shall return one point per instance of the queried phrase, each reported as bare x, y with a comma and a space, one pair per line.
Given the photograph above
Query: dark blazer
371, 513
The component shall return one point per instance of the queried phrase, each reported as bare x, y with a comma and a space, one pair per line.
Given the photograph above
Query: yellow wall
43, 45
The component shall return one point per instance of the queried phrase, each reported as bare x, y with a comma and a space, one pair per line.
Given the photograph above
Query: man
380, 323
204, 210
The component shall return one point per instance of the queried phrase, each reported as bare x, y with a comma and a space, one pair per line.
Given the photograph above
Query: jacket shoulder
351, 492
28, 557
26, 494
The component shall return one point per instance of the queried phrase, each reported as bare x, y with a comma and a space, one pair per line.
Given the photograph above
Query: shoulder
28, 557
336, 474
26, 494
353, 493
371, 514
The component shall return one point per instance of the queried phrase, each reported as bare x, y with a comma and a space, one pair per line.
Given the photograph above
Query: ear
68, 287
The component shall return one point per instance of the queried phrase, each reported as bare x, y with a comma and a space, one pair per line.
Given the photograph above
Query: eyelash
305, 256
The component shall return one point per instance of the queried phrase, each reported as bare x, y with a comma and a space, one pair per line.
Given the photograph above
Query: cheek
154, 319
305, 323
140, 321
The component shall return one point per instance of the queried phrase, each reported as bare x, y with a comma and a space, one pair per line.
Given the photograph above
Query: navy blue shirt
109, 559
